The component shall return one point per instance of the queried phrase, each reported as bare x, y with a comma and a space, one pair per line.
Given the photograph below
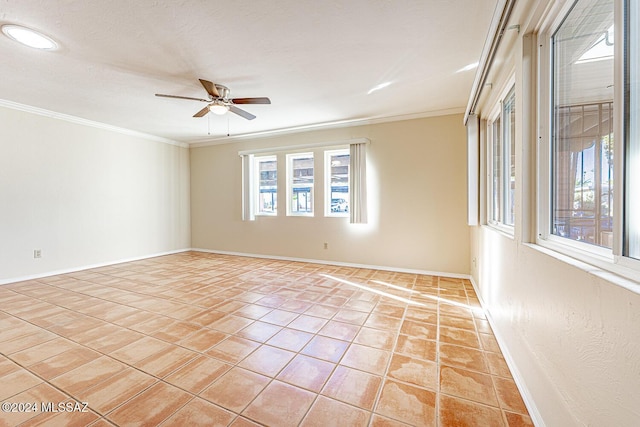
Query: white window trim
496, 113
289, 173
609, 260
255, 186
327, 182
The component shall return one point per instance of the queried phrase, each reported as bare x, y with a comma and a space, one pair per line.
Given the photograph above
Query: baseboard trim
513, 367
88, 267
338, 263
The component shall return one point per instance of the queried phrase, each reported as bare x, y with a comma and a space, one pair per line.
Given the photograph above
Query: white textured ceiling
316, 60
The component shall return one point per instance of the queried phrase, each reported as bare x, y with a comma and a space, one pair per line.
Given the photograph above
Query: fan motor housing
223, 91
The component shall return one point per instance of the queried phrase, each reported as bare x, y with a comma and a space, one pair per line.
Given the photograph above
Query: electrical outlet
37, 253
326, 246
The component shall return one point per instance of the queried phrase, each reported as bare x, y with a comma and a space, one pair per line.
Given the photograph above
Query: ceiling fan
219, 101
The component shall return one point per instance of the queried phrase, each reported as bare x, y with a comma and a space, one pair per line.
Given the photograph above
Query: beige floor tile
407, 403
460, 337
43, 351
325, 348
309, 324
267, 360
202, 340
140, 349
380, 421
339, 330
165, 361
259, 331
307, 372
463, 357
198, 374
509, 396
467, 385
217, 335
87, 375
199, 412
23, 342
290, 339
414, 371
327, 412
416, 347
367, 359
381, 321
518, 420
16, 382
150, 407
233, 349
377, 338
112, 392
235, 389
176, 331
280, 404
63, 362
454, 412
352, 386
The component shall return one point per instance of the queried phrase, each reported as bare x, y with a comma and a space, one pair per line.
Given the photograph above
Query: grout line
192, 268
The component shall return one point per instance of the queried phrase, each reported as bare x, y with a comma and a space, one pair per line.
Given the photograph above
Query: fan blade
183, 97
241, 113
210, 88
202, 112
251, 100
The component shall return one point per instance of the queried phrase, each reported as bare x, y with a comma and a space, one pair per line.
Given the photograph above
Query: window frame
327, 182
608, 259
256, 185
498, 113
290, 158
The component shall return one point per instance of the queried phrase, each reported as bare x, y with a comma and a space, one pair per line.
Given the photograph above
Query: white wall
86, 196
573, 335
417, 209
571, 330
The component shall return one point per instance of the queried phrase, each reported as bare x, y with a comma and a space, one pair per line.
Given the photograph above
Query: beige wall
86, 196
417, 205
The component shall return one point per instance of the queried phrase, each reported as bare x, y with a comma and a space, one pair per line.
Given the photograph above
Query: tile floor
204, 339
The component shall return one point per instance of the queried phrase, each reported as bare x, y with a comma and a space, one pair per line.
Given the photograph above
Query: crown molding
85, 122
326, 125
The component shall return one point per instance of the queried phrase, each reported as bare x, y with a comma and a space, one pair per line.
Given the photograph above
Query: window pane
338, 167
301, 184
267, 185
496, 173
509, 132
632, 154
582, 148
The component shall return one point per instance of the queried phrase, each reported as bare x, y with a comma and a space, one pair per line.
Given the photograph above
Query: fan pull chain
209, 124
227, 124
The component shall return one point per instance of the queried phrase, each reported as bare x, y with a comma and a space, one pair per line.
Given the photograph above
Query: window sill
603, 267
505, 230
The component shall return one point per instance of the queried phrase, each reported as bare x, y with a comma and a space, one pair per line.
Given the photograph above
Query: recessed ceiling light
378, 87
29, 37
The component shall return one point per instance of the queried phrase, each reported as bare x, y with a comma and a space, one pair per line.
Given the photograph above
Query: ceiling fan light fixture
29, 37
218, 109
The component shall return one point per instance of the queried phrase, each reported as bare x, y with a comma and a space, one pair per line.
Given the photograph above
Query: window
267, 185
582, 138
300, 184
631, 229
344, 176
496, 170
336, 182
589, 175
502, 163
